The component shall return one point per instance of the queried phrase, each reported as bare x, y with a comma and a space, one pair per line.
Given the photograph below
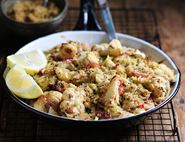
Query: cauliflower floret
132, 101
80, 46
139, 54
112, 94
87, 59
48, 102
72, 104
117, 112
68, 50
102, 49
120, 70
79, 77
66, 64
138, 71
114, 110
165, 72
108, 62
91, 58
98, 76
115, 48
63, 74
135, 53
125, 60
78, 60
111, 98
45, 80
158, 86
89, 91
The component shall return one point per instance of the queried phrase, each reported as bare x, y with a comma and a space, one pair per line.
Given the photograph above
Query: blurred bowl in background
32, 29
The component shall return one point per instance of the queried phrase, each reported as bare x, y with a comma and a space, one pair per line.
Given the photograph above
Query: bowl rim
137, 116
61, 15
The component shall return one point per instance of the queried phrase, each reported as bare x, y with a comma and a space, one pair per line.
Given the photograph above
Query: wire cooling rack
17, 124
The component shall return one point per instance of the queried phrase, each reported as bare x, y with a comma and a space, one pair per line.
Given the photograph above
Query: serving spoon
107, 19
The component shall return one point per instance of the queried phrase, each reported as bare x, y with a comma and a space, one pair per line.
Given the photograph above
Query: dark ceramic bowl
33, 29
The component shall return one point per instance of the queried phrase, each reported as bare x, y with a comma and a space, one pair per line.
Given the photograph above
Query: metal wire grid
17, 124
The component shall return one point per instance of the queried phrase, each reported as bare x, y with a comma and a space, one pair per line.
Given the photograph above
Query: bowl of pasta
89, 80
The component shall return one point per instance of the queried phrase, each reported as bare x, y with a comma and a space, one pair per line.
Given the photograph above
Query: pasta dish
104, 81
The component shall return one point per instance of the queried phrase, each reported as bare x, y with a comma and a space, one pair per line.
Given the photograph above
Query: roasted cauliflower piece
132, 101
158, 86
102, 49
68, 50
115, 48
44, 81
108, 62
63, 74
48, 102
112, 94
165, 72
134, 53
112, 97
72, 104
91, 60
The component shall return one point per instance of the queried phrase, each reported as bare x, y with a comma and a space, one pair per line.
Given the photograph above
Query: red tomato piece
93, 65
121, 88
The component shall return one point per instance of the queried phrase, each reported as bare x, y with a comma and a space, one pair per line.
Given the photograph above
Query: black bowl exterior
33, 29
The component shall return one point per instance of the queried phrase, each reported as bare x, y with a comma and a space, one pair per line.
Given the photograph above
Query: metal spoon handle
45, 3
107, 19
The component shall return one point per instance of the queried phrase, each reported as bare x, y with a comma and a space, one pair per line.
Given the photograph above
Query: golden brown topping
32, 11
67, 51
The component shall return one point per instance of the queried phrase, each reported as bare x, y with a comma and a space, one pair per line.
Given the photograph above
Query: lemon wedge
22, 84
6, 71
31, 61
